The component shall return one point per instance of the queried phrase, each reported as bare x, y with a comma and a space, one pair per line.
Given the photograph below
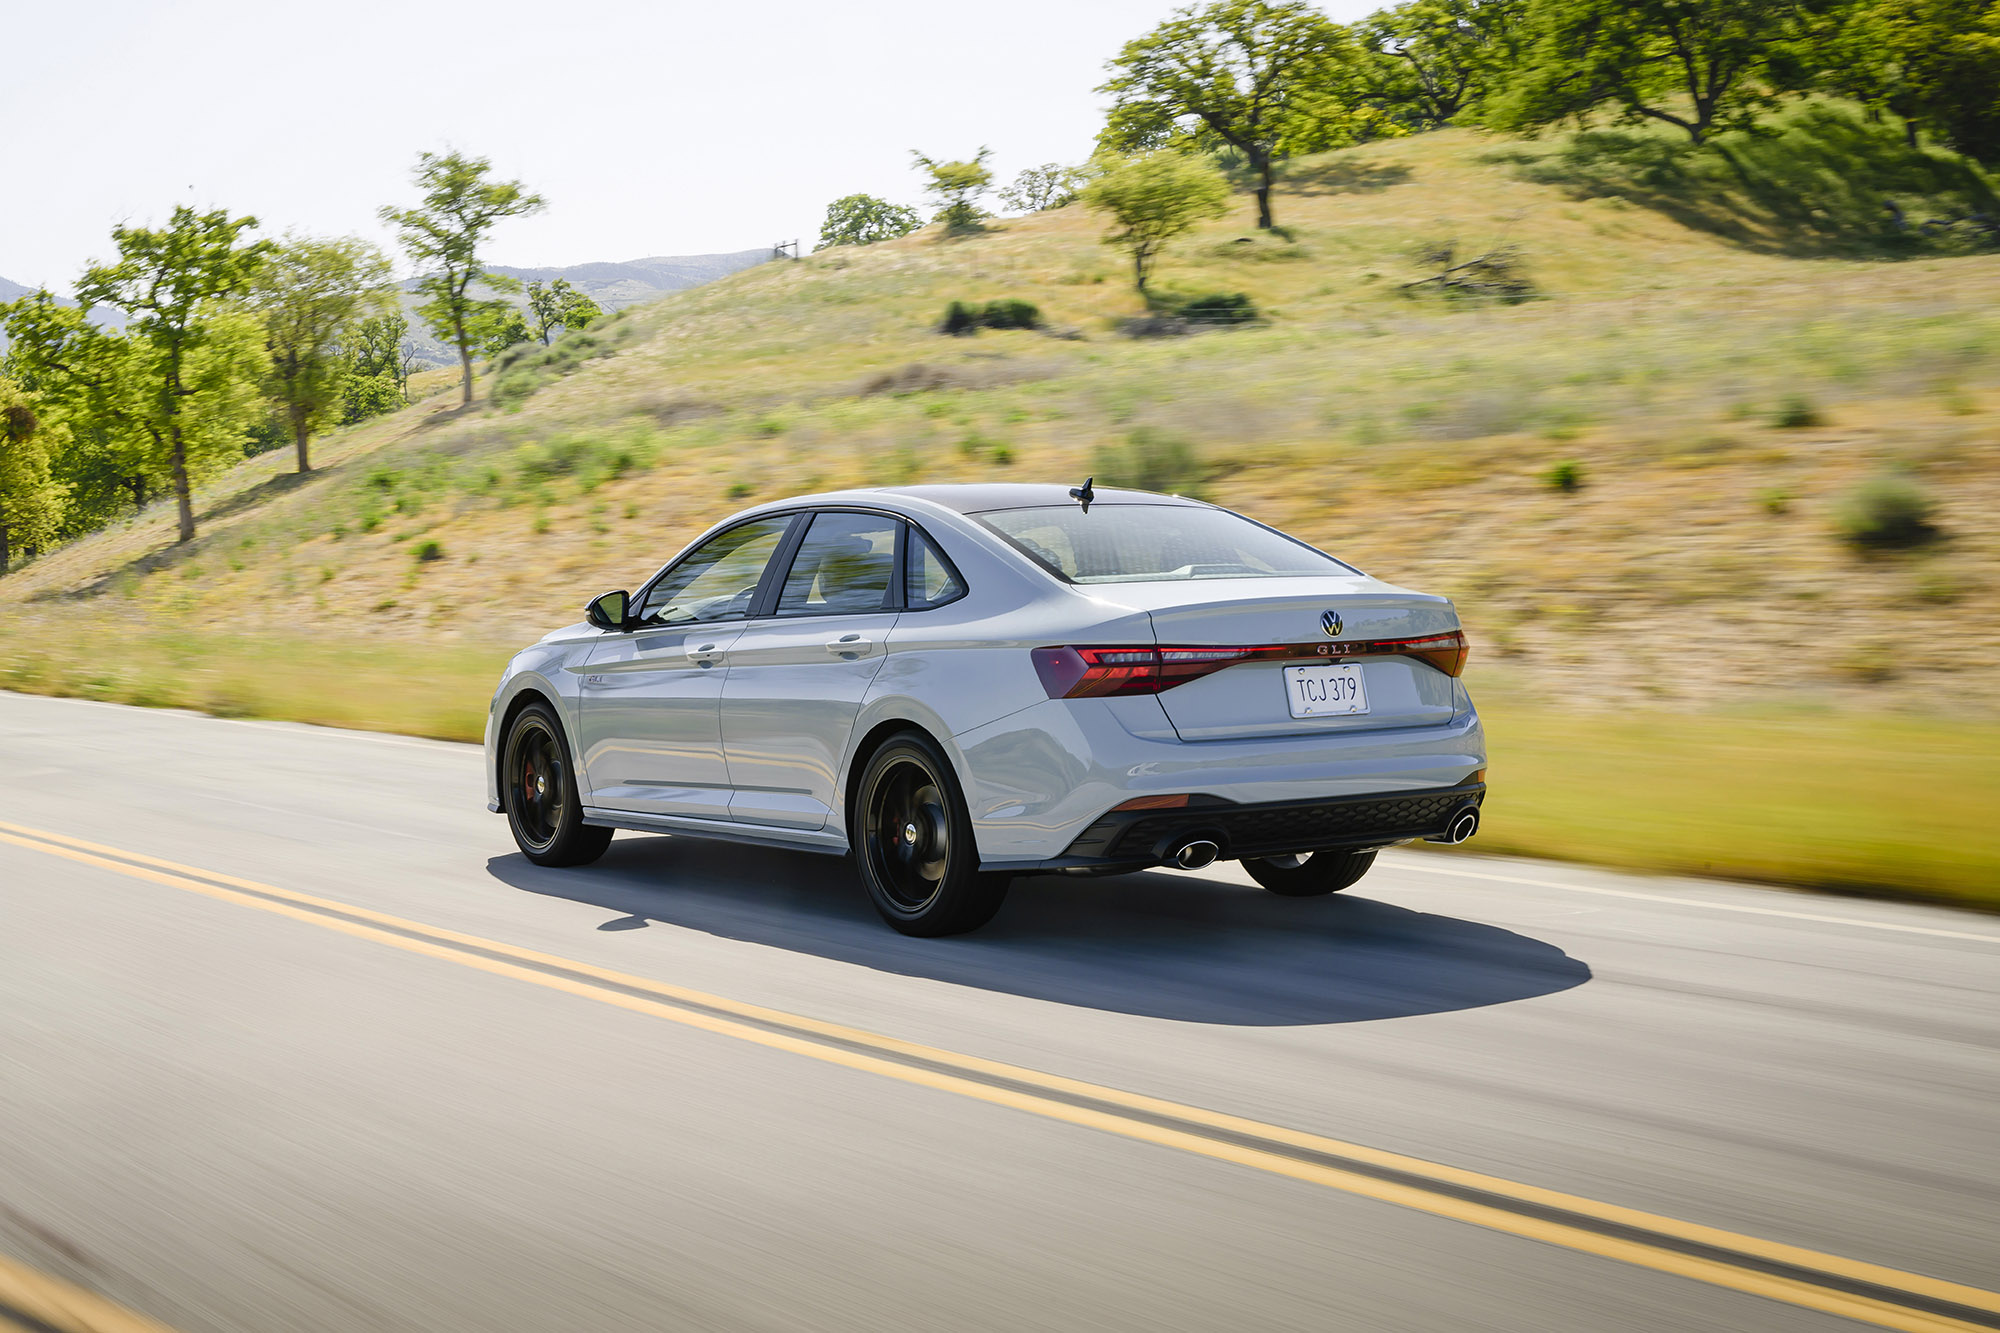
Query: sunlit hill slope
1720, 361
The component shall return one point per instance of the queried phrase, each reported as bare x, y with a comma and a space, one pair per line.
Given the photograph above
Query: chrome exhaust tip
1464, 823
1194, 855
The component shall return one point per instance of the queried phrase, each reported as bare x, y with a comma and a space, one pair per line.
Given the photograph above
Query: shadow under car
1155, 944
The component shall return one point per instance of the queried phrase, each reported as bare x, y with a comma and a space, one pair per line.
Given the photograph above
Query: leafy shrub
365, 396
739, 489
1564, 476
1797, 413
1887, 513
1153, 460
523, 369
428, 551
1012, 314
960, 319
963, 317
1219, 308
1776, 500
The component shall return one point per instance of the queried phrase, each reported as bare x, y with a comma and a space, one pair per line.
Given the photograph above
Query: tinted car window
1149, 543
844, 565
718, 579
928, 578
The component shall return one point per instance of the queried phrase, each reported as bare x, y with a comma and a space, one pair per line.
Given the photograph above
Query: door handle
706, 654
850, 645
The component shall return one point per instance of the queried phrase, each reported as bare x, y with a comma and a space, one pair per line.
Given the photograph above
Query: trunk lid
1250, 699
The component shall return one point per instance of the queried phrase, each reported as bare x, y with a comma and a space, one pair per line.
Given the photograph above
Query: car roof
984, 497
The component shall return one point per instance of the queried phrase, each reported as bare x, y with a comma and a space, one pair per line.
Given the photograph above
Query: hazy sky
652, 128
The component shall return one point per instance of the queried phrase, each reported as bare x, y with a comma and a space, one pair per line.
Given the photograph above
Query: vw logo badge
1330, 622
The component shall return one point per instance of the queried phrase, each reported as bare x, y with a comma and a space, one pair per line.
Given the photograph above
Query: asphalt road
1164, 1101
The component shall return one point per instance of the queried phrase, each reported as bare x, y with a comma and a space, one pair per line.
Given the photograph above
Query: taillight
1086, 673
1446, 652
1095, 673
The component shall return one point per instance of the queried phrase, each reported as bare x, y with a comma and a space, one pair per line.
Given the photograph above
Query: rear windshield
1148, 543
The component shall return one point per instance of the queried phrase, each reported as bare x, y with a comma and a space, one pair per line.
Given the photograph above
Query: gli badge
1330, 622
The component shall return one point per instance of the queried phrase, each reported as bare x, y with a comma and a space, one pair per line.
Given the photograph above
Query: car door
797, 678
652, 695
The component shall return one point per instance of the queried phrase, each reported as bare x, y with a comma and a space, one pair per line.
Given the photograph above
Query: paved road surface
226, 1107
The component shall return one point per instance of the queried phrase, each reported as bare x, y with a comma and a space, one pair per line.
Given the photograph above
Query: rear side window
846, 564
1154, 543
928, 578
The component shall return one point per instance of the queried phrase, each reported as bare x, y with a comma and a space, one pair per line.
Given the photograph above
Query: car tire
538, 790
913, 843
1310, 875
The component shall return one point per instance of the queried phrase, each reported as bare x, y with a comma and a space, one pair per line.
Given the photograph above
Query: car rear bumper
1042, 781
1136, 838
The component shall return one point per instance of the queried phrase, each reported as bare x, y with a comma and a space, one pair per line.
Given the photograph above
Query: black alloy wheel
912, 840
544, 809
1309, 874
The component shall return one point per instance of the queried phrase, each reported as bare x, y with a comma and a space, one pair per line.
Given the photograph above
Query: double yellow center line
1870, 1293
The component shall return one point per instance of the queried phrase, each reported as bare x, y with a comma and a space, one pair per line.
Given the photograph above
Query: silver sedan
961, 684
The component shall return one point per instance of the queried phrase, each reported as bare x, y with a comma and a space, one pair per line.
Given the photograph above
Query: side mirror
610, 610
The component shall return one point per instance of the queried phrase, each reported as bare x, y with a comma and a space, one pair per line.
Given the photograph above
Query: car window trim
785, 538
768, 610
902, 569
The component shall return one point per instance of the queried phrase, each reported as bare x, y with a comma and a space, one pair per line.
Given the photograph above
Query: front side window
1152, 543
928, 578
718, 579
845, 564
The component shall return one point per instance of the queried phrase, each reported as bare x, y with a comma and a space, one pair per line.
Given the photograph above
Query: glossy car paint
768, 757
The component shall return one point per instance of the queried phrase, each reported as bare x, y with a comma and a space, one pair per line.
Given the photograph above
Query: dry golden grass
1405, 435
1695, 568
1856, 803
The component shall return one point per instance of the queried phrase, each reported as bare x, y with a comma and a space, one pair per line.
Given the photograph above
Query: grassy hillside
1723, 355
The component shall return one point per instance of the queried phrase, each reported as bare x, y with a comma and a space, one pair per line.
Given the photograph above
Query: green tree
190, 359
1153, 198
30, 502
956, 187
375, 349
559, 306
862, 219
365, 396
1051, 185
91, 408
1251, 74
443, 235
312, 293
503, 328
1933, 63
1699, 65
1429, 61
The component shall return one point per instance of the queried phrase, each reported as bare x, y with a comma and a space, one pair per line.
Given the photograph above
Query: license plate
1333, 690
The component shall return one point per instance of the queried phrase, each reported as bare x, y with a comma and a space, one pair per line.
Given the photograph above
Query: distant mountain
103, 316
613, 286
